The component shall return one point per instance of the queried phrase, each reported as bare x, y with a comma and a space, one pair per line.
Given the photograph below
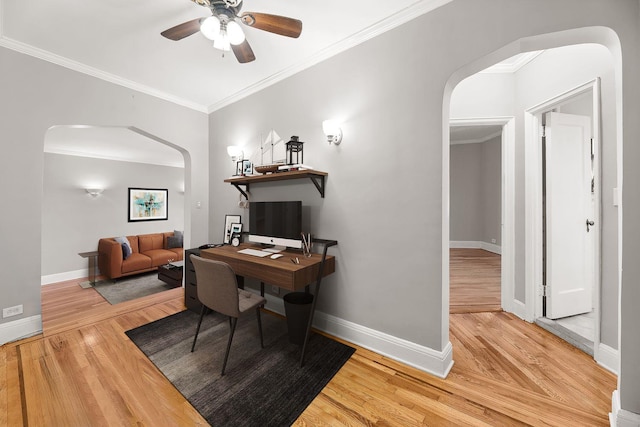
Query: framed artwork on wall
230, 220
148, 204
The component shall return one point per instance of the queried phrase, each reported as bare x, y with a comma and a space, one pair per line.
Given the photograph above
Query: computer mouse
276, 256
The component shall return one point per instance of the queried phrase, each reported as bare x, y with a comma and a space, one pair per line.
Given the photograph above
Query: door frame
507, 250
533, 201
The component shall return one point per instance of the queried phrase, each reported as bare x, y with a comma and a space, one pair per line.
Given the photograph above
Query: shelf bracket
318, 181
243, 192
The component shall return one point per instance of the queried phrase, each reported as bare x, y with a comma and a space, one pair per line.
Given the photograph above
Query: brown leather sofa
148, 252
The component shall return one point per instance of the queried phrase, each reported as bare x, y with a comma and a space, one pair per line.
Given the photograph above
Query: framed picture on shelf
148, 204
244, 167
229, 220
236, 228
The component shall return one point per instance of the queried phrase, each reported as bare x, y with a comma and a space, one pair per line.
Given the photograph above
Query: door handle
589, 224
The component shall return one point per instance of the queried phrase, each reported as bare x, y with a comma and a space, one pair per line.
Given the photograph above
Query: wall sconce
235, 153
333, 131
94, 192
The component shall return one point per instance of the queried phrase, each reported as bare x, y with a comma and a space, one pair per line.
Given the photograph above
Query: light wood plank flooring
474, 281
83, 371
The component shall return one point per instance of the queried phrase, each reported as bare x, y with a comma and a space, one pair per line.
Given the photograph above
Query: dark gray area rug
131, 288
261, 386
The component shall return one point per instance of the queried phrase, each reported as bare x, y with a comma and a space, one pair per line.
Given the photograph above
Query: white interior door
569, 205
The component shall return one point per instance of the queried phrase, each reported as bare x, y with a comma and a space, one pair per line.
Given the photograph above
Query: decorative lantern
294, 146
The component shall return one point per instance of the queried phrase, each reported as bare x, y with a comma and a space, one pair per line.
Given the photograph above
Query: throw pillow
174, 242
125, 241
126, 251
178, 234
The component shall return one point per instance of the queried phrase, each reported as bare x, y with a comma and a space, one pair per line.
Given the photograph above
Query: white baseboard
19, 329
463, 244
619, 417
61, 277
608, 358
434, 362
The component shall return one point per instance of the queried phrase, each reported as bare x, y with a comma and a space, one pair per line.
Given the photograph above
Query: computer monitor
276, 223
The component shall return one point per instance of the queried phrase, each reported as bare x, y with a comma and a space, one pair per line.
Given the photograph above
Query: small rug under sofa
130, 288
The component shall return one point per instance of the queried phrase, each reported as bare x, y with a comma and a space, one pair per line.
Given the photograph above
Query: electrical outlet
493, 240
12, 311
275, 290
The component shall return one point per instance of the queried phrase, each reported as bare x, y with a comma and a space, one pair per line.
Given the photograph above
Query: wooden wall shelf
316, 177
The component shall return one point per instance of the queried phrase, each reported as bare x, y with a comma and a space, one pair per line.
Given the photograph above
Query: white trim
509, 66
63, 277
519, 309
619, 417
19, 329
533, 201
426, 359
462, 244
608, 358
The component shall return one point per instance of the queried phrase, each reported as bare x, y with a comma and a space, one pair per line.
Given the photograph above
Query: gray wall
475, 188
73, 221
389, 168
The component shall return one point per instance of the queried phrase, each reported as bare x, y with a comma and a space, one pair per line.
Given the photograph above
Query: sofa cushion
136, 262
133, 241
161, 256
179, 253
147, 242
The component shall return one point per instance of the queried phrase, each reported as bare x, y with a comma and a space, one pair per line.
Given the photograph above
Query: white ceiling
120, 41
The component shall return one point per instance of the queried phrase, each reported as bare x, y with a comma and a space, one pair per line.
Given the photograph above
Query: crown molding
411, 12
511, 67
91, 71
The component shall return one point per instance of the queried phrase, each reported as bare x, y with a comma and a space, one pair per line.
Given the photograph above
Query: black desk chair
218, 290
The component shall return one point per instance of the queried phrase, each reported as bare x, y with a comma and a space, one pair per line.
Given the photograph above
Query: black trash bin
297, 308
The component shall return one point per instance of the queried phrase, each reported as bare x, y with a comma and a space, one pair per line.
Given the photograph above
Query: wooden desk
280, 272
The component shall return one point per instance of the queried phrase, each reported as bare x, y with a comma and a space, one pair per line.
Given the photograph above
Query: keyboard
254, 252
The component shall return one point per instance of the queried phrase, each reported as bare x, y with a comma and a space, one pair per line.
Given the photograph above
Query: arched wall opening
80, 158
596, 35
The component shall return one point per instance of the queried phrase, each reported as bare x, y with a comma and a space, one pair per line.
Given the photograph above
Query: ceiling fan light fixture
210, 27
235, 33
222, 41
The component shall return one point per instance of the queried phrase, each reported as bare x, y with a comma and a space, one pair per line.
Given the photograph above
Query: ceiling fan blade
183, 30
273, 23
243, 52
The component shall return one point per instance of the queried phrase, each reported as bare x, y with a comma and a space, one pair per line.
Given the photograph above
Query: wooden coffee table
171, 273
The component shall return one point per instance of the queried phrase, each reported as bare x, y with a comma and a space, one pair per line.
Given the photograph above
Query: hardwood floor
84, 371
474, 281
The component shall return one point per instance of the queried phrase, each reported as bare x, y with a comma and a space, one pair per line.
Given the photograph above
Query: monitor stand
275, 249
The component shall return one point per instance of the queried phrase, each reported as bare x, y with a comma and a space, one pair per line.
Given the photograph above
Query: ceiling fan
222, 27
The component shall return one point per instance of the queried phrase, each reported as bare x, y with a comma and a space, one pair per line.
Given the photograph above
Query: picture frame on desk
228, 221
236, 228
